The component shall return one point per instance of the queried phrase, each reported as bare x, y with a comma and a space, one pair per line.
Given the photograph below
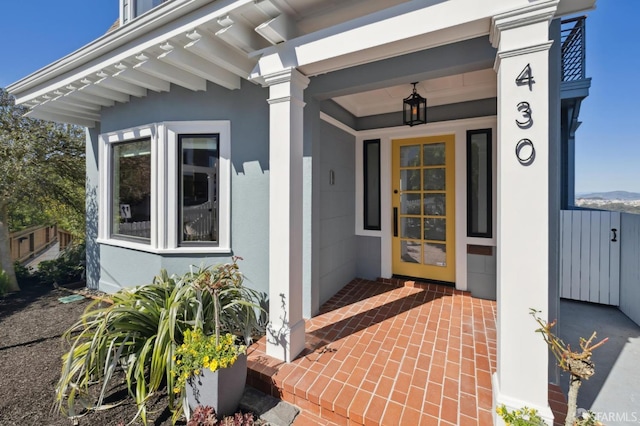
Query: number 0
525, 78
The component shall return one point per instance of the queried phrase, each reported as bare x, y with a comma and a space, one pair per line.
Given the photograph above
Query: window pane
131, 193
372, 184
410, 251
435, 254
199, 188
410, 156
435, 229
433, 154
479, 203
410, 180
410, 227
434, 179
410, 203
143, 6
435, 204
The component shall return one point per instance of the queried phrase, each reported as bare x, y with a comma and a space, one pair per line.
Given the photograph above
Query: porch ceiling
438, 91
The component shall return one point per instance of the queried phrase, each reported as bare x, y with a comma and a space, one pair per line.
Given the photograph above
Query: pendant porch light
414, 108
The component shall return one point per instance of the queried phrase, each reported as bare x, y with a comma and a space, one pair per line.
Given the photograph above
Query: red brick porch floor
384, 354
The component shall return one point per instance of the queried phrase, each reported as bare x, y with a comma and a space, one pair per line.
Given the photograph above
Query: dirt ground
31, 325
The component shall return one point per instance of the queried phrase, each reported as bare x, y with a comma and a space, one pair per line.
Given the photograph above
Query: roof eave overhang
110, 41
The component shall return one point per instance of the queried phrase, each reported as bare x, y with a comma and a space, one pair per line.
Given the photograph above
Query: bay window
165, 187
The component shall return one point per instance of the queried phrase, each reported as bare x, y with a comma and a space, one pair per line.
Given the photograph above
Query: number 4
525, 78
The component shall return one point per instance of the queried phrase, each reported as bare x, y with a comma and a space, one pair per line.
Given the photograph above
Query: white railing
199, 222
136, 229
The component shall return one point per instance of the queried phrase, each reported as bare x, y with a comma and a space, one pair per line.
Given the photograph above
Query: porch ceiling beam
196, 65
168, 72
68, 100
60, 118
239, 36
401, 29
267, 7
278, 30
220, 53
76, 94
61, 110
150, 82
109, 82
65, 103
92, 89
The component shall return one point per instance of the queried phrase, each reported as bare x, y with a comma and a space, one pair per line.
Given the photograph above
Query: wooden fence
590, 256
31, 241
600, 259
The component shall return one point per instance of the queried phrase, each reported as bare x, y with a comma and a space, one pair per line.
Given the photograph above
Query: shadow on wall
93, 249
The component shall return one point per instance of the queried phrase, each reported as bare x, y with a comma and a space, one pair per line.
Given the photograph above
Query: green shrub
23, 274
522, 417
141, 330
68, 267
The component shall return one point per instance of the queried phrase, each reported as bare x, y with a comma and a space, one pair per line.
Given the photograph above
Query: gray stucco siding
248, 112
369, 257
481, 275
338, 245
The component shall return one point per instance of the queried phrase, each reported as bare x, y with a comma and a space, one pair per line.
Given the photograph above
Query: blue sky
38, 32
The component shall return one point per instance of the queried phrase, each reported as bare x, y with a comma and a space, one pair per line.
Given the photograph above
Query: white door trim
386, 136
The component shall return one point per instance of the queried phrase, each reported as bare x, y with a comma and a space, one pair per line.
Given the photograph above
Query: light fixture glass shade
414, 108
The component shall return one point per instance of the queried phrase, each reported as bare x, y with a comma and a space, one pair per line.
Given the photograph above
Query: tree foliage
42, 175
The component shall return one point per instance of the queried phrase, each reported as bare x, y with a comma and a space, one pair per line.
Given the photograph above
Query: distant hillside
611, 195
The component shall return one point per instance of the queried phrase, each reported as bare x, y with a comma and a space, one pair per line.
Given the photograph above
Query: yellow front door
424, 207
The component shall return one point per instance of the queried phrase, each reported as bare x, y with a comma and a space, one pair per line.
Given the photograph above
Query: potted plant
140, 330
211, 370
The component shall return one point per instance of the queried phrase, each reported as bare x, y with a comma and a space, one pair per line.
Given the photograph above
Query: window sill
154, 250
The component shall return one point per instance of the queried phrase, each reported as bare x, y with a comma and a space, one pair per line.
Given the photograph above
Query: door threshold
419, 280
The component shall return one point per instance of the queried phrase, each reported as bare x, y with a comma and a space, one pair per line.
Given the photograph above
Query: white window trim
164, 185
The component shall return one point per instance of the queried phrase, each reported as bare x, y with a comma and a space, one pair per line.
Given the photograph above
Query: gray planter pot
221, 389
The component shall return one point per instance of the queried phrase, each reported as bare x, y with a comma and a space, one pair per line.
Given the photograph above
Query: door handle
395, 221
615, 235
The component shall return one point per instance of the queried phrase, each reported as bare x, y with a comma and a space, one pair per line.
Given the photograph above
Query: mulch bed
31, 325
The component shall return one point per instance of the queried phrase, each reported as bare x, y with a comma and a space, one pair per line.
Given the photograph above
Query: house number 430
525, 151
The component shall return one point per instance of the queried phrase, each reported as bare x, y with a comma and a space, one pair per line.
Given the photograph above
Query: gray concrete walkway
613, 393
48, 254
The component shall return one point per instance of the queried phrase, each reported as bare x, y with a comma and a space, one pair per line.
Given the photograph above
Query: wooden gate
590, 256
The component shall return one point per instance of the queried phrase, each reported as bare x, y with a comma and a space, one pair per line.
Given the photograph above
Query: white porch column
522, 39
285, 334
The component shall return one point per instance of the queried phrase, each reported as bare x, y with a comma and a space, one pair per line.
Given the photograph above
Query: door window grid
423, 204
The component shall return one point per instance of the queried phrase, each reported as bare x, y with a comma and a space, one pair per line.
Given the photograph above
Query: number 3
525, 109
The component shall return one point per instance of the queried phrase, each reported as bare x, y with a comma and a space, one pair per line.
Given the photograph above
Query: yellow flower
176, 390
196, 372
205, 359
213, 365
